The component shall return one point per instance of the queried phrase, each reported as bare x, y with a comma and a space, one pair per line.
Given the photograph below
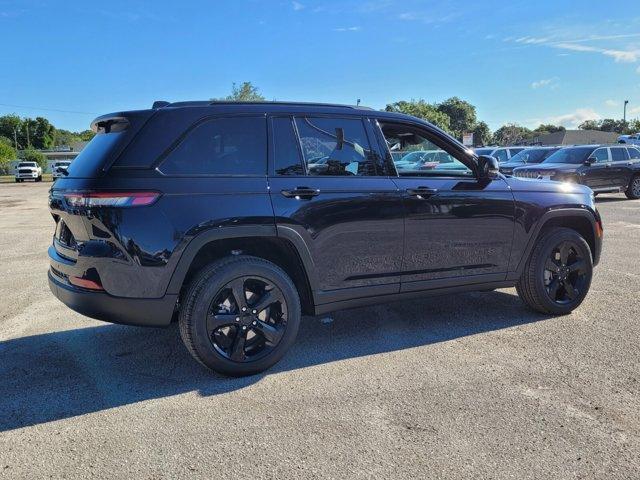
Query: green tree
423, 110
11, 127
246, 92
545, 128
481, 134
511, 134
31, 155
461, 113
86, 135
7, 153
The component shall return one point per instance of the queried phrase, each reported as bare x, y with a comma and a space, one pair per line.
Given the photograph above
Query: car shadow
620, 198
74, 372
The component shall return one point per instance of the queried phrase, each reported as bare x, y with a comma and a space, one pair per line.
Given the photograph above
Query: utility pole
28, 142
15, 138
358, 103
624, 115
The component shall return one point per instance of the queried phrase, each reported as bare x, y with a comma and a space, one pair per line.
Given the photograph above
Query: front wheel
633, 190
240, 315
558, 274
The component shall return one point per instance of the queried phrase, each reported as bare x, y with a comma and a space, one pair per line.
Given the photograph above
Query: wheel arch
581, 220
259, 241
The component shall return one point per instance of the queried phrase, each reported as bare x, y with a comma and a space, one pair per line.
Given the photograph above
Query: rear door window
221, 146
619, 154
336, 147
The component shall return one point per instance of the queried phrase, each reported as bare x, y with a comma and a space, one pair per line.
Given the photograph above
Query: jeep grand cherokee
237, 218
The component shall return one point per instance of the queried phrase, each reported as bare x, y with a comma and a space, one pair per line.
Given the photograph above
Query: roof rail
302, 104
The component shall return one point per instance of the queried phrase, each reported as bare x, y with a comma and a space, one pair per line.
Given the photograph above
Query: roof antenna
160, 104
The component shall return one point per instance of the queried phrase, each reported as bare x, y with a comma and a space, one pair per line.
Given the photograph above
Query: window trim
271, 171
155, 166
434, 138
598, 162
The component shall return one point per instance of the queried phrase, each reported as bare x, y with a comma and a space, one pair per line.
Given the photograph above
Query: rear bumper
155, 312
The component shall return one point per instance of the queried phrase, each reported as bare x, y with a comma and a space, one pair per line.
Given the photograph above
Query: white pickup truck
632, 139
28, 171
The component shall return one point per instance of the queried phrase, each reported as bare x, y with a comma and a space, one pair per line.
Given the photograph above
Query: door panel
598, 174
353, 227
464, 228
621, 168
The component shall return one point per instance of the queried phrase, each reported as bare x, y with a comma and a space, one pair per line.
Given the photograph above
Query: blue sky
517, 61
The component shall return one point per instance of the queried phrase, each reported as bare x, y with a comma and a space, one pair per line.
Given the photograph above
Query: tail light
111, 199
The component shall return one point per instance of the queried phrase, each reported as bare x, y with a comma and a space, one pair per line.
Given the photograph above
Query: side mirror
588, 162
488, 167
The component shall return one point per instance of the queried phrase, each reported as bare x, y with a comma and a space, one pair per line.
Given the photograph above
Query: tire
17, 180
543, 289
633, 190
267, 335
39, 179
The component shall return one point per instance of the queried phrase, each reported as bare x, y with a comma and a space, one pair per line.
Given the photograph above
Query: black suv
237, 218
603, 168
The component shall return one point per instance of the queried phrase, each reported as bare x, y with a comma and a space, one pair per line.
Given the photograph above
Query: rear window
221, 146
94, 154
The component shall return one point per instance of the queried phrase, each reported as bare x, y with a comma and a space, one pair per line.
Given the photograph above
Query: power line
47, 109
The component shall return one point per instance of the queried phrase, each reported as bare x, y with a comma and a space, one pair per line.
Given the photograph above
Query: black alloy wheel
247, 319
565, 273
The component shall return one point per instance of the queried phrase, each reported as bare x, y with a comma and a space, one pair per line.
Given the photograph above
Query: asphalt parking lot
469, 386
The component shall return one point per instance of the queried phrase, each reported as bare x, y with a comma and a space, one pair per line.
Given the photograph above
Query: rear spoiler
110, 123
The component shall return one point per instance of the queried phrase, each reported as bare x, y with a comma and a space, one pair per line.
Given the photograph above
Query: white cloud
297, 6
575, 118
546, 82
347, 29
612, 103
621, 56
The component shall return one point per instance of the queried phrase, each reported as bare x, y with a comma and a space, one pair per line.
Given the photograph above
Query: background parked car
28, 171
526, 157
502, 154
59, 168
603, 168
632, 139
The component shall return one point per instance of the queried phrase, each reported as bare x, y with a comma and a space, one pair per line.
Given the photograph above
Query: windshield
533, 155
27, 164
484, 151
574, 155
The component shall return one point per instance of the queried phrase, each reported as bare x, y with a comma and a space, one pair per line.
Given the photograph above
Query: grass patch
46, 177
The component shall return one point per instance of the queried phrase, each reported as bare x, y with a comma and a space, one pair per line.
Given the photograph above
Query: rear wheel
558, 274
240, 315
633, 190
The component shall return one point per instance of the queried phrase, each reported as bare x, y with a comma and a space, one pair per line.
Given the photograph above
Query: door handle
422, 192
301, 192
607, 165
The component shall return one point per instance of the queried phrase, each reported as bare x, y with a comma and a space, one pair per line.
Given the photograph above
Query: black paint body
361, 240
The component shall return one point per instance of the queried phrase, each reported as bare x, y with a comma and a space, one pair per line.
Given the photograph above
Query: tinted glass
600, 155
515, 151
483, 151
501, 155
532, 155
575, 155
221, 146
335, 146
94, 154
415, 155
634, 153
619, 154
285, 148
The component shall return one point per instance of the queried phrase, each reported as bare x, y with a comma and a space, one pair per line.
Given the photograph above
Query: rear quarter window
221, 146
